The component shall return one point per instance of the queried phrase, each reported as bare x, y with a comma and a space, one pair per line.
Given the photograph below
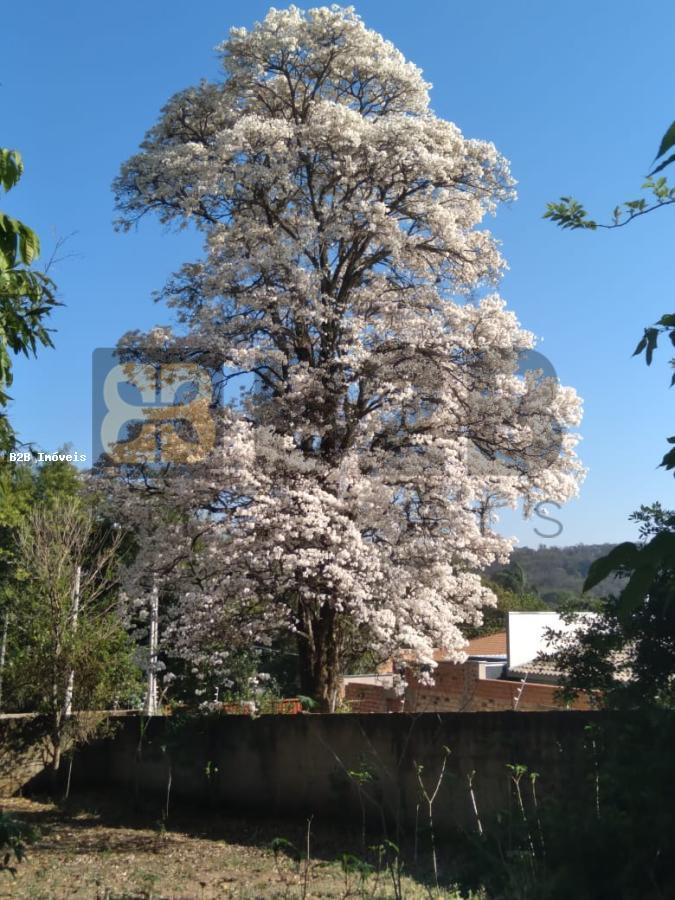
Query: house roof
545, 669
536, 669
489, 645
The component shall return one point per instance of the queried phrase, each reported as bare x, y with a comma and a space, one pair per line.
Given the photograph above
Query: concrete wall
24, 751
299, 765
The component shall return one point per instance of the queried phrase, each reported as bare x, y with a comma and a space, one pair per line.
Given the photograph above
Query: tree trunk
3, 651
150, 706
56, 752
74, 612
57, 707
57, 748
319, 657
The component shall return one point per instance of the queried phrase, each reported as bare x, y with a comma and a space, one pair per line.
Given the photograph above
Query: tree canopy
349, 495
27, 296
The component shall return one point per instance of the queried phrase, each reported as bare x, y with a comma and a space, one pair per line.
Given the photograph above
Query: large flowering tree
348, 494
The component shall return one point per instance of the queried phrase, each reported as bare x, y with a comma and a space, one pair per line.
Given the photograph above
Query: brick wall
462, 687
458, 687
367, 698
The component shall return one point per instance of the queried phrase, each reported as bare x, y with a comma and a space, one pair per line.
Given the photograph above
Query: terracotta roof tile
489, 645
545, 667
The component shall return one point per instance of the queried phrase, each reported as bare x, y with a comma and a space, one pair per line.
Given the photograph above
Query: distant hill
561, 570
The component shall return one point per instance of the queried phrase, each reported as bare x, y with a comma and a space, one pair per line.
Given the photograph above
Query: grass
93, 849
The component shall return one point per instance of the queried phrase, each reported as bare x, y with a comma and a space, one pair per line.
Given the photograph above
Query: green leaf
668, 461
667, 141
624, 555
663, 165
648, 343
569, 213
636, 590
660, 550
658, 554
652, 336
29, 244
11, 168
640, 347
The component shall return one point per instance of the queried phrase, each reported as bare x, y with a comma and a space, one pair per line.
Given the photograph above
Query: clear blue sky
575, 94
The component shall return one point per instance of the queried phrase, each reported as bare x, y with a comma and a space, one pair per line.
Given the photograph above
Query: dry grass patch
92, 850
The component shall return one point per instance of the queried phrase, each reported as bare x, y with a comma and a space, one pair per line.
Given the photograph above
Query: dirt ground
88, 849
